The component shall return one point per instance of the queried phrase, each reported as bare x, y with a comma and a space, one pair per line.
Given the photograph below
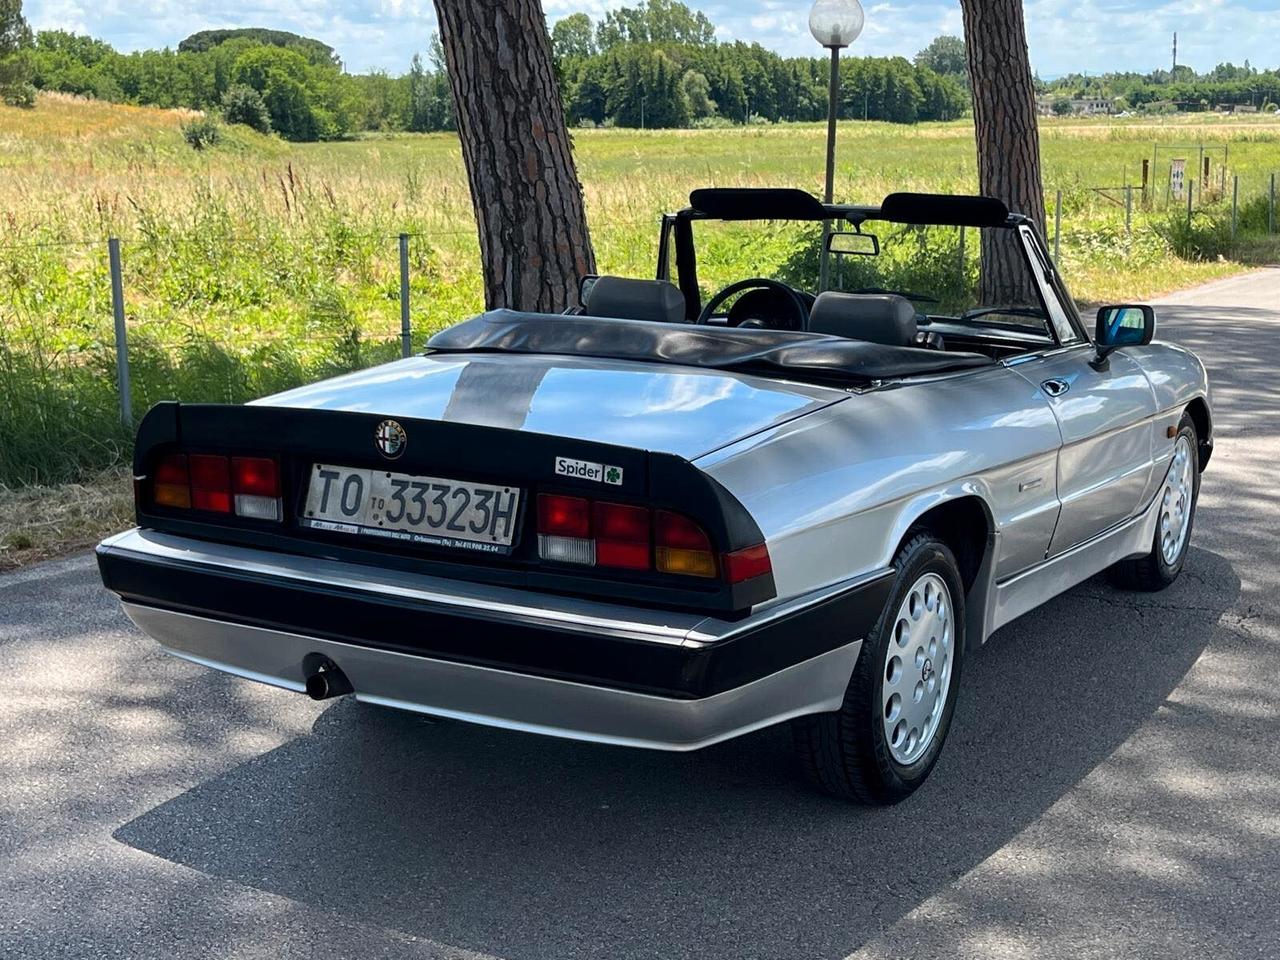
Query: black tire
1151, 572
846, 753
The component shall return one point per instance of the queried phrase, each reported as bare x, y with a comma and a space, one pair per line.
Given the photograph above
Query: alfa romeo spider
672, 516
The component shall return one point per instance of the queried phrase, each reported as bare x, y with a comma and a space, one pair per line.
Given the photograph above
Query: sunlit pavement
1111, 787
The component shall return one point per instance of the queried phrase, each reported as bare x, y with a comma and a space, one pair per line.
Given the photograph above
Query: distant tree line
656, 64
1181, 88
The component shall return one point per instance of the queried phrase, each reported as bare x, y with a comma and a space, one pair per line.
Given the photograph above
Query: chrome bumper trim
488, 602
504, 699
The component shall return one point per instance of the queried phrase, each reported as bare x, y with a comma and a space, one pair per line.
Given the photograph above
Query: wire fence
93, 330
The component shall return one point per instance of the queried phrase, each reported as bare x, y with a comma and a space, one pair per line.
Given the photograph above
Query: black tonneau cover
807, 357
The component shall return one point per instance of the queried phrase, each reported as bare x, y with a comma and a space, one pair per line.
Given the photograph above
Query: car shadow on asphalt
519, 846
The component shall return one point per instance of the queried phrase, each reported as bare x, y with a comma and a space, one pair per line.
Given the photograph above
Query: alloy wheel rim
917, 669
1175, 503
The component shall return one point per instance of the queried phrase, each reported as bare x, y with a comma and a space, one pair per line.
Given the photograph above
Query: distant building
1237, 108
1086, 107
1092, 107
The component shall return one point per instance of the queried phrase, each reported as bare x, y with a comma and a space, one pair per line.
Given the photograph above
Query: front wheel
880, 746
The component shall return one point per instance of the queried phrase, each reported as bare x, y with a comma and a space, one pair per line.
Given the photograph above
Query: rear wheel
1177, 498
885, 738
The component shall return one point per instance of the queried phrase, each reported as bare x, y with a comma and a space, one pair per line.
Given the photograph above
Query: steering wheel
799, 309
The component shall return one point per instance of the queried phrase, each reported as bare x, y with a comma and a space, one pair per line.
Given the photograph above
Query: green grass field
258, 264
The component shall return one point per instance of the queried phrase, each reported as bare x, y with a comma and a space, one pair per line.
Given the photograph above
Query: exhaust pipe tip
327, 682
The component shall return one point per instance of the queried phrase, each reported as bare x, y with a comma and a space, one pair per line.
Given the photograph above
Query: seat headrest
875, 318
627, 299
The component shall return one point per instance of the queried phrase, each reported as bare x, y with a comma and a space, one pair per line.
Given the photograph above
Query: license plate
397, 506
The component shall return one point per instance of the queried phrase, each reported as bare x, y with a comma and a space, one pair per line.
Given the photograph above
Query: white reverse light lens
567, 549
257, 508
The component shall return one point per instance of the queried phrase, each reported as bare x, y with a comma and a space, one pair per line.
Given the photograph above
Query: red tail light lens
210, 483
255, 476
679, 532
747, 563
564, 516
618, 521
622, 536
172, 485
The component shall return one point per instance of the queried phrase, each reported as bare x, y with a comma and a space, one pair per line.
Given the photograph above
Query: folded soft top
808, 357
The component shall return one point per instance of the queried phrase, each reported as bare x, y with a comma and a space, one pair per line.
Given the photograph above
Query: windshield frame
677, 263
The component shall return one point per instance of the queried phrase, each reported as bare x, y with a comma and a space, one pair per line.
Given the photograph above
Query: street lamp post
834, 24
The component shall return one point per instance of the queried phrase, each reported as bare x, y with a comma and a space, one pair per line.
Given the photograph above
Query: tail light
246, 486
564, 529
623, 536
172, 485
256, 483
210, 483
747, 563
683, 546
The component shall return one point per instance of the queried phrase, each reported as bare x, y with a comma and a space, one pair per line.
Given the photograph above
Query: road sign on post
1177, 177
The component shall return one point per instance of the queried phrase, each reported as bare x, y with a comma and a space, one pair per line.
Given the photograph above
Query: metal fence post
406, 331
1128, 210
1271, 208
1191, 188
1057, 228
122, 334
1235, 204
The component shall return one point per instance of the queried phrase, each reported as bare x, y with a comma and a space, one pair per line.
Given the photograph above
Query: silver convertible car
671, 516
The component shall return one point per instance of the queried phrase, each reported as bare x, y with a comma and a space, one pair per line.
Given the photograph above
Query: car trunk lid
685, 411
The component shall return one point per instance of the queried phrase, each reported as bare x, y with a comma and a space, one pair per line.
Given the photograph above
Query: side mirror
849, 244
1122, 325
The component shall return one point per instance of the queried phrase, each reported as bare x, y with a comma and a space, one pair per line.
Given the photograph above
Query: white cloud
1064, 35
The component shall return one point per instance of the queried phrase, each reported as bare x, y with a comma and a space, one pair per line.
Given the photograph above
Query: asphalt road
1111, 787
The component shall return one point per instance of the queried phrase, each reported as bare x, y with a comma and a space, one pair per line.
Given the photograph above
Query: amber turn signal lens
690, 563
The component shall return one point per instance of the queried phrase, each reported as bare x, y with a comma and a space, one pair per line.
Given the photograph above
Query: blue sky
1065, 35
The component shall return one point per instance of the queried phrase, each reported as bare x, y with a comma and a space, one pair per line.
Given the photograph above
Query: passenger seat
627, 299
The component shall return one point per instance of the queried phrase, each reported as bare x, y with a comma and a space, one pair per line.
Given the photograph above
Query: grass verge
42, 522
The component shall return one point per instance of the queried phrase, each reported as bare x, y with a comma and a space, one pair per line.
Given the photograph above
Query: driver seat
870, 317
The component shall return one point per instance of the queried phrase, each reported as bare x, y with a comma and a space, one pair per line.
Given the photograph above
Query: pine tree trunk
534, 243
1004, 116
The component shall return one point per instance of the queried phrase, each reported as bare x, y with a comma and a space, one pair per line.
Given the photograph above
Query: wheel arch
1198, 411
966, 524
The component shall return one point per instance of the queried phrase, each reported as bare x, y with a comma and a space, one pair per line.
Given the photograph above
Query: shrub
243, 104
202, 132
19, 95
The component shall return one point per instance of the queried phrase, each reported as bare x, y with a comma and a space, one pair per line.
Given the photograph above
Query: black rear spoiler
299, 438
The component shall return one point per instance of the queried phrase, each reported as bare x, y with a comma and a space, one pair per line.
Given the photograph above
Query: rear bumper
500, 656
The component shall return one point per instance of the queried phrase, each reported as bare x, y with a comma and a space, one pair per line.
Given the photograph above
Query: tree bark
534, 242
1004, 118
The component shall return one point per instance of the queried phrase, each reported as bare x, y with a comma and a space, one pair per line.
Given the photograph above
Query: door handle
1055, 387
